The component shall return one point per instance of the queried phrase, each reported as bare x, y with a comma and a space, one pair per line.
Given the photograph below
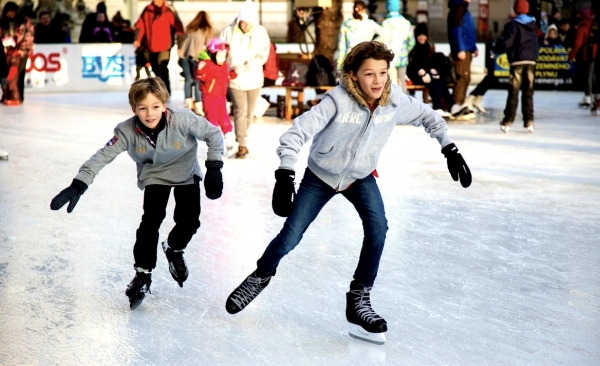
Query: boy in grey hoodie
163, 144
348, 128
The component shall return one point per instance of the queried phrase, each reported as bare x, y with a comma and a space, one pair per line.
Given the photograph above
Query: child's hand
213, 181
70, 194
457, 165
284, 193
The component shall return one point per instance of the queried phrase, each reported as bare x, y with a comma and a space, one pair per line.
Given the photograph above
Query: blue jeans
312, 196
189, 68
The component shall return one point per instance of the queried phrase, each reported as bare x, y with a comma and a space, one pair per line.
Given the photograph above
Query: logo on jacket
382, 118
112, 141
141, 149
350, 117
178, 145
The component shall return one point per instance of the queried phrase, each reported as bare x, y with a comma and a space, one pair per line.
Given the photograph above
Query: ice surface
506, 272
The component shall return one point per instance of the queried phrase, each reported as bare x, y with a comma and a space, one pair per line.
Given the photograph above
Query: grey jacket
348, 137
174, 160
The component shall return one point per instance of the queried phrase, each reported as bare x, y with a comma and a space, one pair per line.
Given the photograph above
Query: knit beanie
248, 13
101, 7
420, 29
392, 6
521, 7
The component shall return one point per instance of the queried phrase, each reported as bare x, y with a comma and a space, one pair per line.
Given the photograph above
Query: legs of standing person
401, 71
463, 78
366, 198
187, 78
155, 203
313, 194
434, 88
160, 66
512, 99
244, 103
21, 80
186, 215
11, 90
527, 95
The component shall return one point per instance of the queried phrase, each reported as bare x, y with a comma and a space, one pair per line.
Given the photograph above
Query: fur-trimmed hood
353, 89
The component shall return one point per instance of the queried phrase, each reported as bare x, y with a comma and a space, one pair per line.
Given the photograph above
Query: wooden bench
296, 93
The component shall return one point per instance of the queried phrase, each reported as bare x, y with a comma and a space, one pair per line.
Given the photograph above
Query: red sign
42, 62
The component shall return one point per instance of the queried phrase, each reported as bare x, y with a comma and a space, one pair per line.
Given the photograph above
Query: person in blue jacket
348, 129
463, 47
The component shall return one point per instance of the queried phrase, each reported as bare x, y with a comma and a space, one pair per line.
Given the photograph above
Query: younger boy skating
349, 129
163, 143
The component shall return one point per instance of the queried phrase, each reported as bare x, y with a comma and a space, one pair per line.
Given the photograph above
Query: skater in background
197, 35
249, 45
519, 41
400, 40
163, 143
142, 61
349, 129
583, 54
356, 30
214, 75
3, 81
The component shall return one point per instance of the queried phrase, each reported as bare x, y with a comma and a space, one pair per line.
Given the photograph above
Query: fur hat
521, 7
248, 13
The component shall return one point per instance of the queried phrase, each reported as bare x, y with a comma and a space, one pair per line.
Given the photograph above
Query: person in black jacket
3, 81
519, 41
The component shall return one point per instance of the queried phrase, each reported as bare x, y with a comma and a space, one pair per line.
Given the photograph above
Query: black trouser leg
155, 204
186, 215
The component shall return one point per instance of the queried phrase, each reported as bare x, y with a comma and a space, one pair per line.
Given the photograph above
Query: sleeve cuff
288, 162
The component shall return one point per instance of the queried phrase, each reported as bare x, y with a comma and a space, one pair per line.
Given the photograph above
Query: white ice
506, 272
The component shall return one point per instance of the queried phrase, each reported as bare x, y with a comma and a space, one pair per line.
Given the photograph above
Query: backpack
296, 75
320, 72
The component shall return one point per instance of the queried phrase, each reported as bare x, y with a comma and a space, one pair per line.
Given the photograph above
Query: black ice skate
177, 265
136, 291
365, 324
246, 292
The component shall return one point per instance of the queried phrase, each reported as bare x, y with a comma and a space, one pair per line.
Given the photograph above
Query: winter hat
248, 13
586, 14
392, 6
420, 29
521, 7
551, 27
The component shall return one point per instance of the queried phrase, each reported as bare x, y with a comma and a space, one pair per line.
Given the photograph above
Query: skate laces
142, 279
248, 290
362, 305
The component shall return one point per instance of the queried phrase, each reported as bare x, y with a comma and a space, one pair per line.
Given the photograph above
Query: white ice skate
231, 145
357, 332
3, 155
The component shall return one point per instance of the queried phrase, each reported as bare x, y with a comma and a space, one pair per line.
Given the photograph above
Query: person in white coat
249, 50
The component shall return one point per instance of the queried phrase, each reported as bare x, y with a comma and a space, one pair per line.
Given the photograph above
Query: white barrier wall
86, 67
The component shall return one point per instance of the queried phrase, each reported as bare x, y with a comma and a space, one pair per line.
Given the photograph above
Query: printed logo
350, 117
112, 141
103, 67
141, 149
385, 117
178, 146
41, 62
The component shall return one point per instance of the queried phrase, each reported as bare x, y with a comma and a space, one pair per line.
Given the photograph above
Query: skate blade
357, 332
134, 302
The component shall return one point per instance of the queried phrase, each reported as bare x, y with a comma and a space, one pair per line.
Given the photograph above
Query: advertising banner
553, 69
86, 67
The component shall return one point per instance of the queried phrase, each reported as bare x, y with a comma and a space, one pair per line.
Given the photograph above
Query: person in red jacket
271, 67
214, 75
584, 53
156, 25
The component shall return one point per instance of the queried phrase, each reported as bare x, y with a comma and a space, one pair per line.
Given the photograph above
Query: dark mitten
457, 165
284, 193
213, 180
70, 194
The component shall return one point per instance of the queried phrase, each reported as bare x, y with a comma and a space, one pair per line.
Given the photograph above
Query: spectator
60, 28
426, 67
462, 38
356, 30
519, 41
197, 35
126, 34
271, 67
552, 39
566, 33
103, 31
17, 34
44, 33
157, 26
401, 41
583, 54
249, 50
89, 23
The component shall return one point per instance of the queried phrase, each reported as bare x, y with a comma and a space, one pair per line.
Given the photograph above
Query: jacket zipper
356, 145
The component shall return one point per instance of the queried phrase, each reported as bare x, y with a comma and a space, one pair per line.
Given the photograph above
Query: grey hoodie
348, 137
174, 160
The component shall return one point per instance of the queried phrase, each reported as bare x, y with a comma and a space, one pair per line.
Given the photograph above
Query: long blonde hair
201, 21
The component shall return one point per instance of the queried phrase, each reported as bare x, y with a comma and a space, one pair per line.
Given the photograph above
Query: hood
587, 14
354, 90
524, 19
248, 13
393, 6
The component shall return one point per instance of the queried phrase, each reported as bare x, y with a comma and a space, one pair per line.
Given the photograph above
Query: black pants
521, 79
438, 90
186, 217
488, 81
160, 66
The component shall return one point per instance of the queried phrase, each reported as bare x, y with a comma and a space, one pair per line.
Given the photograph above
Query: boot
138, 287
586, 102
477, 104
469, 101
177, 265
242, 152
365, 324
246, 292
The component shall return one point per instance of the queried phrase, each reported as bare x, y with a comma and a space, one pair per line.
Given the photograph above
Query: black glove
457, 166
70, 194
284, 193
213, 181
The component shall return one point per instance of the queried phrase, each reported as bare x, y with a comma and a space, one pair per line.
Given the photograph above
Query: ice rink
506, 272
